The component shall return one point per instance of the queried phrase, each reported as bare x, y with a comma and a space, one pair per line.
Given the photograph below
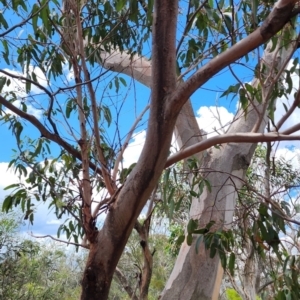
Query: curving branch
129, 136
295, 104
123, 281
282, 12
59, 240
230, 138
137, 67
292, 129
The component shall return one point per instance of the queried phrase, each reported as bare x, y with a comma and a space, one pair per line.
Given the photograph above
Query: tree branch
230, 138
46, 133
123, 281
292, 129
111, 187
137, 67
58, 240
295, 104
280, 15
131, 131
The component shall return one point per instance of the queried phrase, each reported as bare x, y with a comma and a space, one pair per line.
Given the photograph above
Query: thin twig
46, 133
288, 113
58, 240
129, 136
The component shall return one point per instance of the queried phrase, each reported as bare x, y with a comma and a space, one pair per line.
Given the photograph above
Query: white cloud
291, 155
214, 120
134, 149
18, 86
8, 177
69, 74
53, 222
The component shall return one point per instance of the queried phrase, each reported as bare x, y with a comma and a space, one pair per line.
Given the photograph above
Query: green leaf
3, 21
180, 239
2, 82
35, 9
233, 89
69, 107
107, 114
207, 183
7, 203
120, 5
117, 84
193, 193
223, 259
123, 81
213, 251
11, 186
192, 225
189, 239
249, 88
243, 99
201, 231
231, 263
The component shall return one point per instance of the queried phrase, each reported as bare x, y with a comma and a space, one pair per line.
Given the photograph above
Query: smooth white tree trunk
197, 276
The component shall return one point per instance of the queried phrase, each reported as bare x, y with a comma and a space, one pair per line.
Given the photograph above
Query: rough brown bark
146, 272
106, 251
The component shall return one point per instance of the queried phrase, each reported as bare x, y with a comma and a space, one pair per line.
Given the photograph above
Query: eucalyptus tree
84, 178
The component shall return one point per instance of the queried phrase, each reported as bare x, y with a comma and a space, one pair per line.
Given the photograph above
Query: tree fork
106, 250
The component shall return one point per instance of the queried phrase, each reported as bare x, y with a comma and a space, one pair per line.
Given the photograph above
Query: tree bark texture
194, 276
197, 276
120, 220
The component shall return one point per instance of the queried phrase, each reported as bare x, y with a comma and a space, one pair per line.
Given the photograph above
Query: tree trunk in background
197, 276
